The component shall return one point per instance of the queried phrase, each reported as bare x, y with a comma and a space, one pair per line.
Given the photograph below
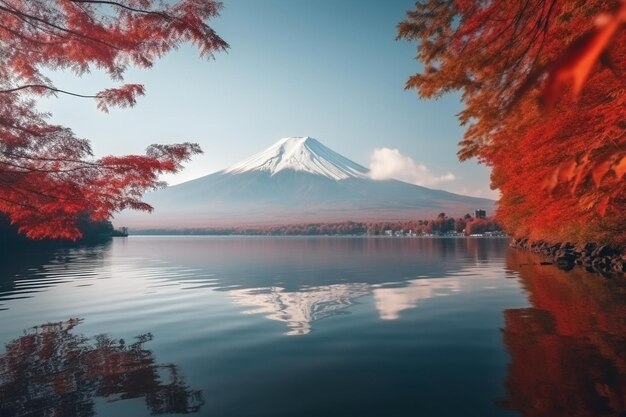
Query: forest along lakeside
468, 225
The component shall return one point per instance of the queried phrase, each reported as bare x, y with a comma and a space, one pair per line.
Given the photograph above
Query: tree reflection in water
568, 351
50, 371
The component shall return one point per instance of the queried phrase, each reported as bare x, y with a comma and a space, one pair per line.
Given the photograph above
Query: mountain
296, 180
300, 154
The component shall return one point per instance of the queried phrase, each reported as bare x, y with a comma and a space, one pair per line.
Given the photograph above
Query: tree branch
123, 6
23, 15
47, 87
87, 164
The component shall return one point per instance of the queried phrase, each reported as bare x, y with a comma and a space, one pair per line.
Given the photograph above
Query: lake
307, 326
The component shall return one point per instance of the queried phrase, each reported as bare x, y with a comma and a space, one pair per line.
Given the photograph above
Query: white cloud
388, 163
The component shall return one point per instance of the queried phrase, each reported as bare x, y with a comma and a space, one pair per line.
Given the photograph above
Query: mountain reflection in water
568, 351
299, 309
51, 371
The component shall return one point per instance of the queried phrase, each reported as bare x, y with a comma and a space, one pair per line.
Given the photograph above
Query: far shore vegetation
441, 226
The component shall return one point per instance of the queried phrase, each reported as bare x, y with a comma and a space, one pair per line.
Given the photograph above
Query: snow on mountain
304, 154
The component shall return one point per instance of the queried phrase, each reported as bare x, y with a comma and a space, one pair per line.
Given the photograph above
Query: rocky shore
591, 256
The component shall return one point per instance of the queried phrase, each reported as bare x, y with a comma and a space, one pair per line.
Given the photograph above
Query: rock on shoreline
591, 256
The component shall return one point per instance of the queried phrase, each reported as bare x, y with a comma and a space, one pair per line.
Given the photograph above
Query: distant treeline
440, 226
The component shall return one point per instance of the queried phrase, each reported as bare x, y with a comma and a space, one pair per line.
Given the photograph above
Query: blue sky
327, 69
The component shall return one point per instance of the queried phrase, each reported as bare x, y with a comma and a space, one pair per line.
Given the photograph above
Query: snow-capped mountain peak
300, 154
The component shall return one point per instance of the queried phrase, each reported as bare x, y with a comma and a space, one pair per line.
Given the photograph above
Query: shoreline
338, 235
590, 256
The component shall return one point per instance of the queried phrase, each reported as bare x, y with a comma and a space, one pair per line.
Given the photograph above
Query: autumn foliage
48, 176
542, 82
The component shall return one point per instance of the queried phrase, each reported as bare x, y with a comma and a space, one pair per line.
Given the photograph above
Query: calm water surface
255, 326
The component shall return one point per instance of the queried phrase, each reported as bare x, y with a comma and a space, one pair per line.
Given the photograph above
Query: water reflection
428, 353
299, 309
568, 351
52, 371
293, 280
295, 262
391, 300
26, 270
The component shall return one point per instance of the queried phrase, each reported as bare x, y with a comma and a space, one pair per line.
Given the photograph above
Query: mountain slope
295, 180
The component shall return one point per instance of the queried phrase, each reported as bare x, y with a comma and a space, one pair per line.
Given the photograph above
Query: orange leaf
550, 182
600, 170
620, 168
603, 205
579, 58
567, 171
581, 172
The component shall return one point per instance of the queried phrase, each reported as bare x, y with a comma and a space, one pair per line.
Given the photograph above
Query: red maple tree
48, 176
542, 84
